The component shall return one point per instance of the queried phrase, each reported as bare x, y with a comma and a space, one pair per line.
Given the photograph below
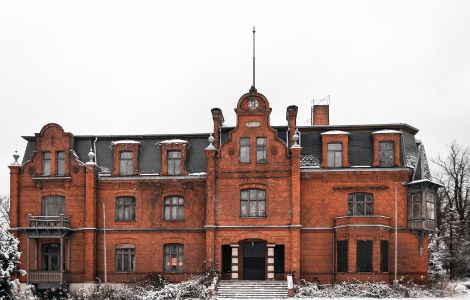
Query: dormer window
125, 163
174, 162
60, 165
126, 158
46, 163
174, 157
386, 148
335, 149
335, 155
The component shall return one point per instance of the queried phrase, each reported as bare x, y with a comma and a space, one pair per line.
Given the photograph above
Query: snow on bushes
377, 290
9, 259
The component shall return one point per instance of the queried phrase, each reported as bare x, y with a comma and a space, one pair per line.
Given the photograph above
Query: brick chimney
321, 112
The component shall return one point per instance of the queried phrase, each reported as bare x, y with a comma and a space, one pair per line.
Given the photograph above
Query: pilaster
14, 193
211, 152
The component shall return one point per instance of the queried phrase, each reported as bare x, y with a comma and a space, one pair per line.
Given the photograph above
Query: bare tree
4, 209
453, 210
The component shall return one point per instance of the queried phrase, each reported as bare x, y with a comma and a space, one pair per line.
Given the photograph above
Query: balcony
49, 221
47, 277
362, 221
48, 226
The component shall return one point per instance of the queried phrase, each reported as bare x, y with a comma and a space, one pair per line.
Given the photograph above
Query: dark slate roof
149, 150
360, 146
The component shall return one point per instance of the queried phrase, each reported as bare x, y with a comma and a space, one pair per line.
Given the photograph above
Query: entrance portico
253, 259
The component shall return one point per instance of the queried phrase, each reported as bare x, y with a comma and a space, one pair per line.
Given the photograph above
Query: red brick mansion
325, 202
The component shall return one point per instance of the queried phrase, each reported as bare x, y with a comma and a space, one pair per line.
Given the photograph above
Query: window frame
257, 199
261, 150
368, 198
342, 256
178, 207
174, 163
46, 257
125, 253
430, 198
60, 163
332, 163
126, 164
59, 205
361, 260
416, 201
127, 209
46, 163
382, 153
244, 150
178, 255
384, 256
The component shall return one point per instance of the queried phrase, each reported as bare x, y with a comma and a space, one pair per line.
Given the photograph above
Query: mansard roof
360, 146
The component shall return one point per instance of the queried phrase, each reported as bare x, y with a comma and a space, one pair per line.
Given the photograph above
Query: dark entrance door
254, 260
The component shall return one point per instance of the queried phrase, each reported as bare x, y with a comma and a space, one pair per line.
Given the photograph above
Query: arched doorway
254, 259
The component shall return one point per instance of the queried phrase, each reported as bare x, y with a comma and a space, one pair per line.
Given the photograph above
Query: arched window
125, 258
173, 258
125, 208
53, 206
174, 208
253, 203
360, 204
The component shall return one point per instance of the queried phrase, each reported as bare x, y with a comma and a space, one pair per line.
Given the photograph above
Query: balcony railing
49, 222
47, 277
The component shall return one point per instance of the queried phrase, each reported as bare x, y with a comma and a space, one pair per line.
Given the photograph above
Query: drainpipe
334, 257
395, 281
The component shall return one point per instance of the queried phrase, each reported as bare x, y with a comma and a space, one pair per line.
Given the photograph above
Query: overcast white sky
122, 67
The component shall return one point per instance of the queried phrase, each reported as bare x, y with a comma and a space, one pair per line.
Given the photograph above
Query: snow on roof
424, 180
197, 174
125, 142
334, 132
386, 131
174, 141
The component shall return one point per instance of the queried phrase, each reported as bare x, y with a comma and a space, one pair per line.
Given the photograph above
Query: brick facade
304, 209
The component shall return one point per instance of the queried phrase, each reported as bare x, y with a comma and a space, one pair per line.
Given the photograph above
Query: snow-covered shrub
55, 294
376, 290
9, 260
196, 287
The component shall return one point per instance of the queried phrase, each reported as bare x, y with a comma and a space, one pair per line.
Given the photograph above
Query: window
174, 162
415, 206
360, 204
253, 203
364, 256
261, 150
174, 208
386, 154
46, 163
335, 155
60, 166
173, 258
125, 163
125, 258
53, 206
244, 150
342, 256
279, 259
226, 259
430, 202
50, 257
383, 256
125, 209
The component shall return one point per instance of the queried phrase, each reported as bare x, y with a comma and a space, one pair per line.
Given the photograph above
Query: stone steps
252, 289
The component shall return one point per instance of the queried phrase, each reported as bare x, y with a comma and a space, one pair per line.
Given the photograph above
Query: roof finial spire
253, 88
